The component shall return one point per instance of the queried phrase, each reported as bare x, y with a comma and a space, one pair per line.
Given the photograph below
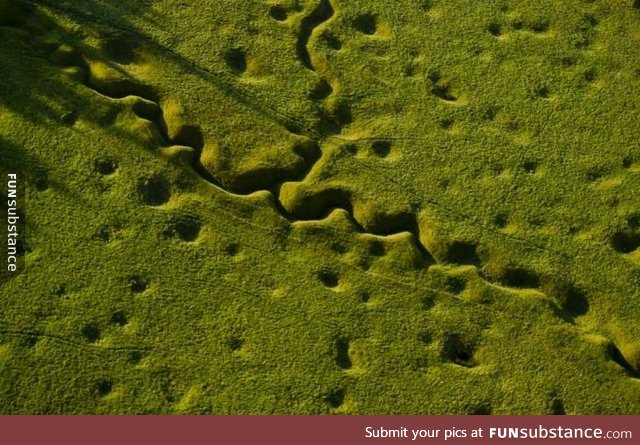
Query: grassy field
322, 206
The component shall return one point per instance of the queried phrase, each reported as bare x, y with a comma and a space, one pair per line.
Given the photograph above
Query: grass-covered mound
323, 206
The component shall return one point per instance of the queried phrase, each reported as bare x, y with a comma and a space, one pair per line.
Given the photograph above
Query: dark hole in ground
543, 91
381, 148
137, 284
103, 234
232, 249
119, 318
490, 113
428, 302
540, 26
278, 13
236, 60
187, 228
235, 343
590, 75
576, 303
462, 252
91, 333
351, 149
328, 278
376, 248
495, 29
625, 241
455, 284
106, 166
341, 114
30, 341
104, 387
342, 358
443, 92
69, 118
336, 398
557, 408
530, 167
520, 278
154, 190
594, 174
500, 220
456, 350
446, 123
366, 24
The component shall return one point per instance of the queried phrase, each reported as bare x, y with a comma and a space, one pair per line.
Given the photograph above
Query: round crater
456, 350
104, 387
235, 343
520, 278
539, 26
500, 220
335, 398
154, 190
91, 333
530, 167
495, 29
366, 24
236, 60
278, 13
625, 241
119, 318
232, 249
328, 278
106, 166
42, 181
381, 148
186, 228
542, 91
138, 284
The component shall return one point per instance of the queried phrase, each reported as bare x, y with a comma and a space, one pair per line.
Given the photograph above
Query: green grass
336, 206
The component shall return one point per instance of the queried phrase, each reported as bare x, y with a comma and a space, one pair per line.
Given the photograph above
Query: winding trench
327, 131
316, 206
323, 12
332, 121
